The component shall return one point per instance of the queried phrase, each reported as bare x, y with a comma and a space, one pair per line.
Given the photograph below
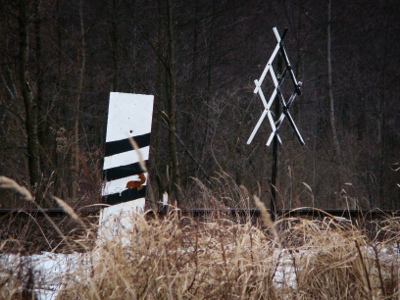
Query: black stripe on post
125, 196
123, 171
117, 147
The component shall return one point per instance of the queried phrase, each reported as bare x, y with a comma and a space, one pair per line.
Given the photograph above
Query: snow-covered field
50, 270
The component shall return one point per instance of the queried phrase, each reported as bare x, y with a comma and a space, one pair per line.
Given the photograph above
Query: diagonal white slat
264, 114
274, 131
266, 69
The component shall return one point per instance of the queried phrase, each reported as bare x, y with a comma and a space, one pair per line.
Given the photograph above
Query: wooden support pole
275, 151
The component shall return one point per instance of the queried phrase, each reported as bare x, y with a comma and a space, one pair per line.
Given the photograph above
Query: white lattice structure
277, 92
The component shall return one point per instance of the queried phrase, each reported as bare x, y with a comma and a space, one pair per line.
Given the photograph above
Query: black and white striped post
129, 118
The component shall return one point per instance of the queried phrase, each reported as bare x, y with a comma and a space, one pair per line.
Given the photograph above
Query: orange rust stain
136, 184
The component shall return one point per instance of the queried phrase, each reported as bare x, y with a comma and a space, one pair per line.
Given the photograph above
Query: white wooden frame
276, 92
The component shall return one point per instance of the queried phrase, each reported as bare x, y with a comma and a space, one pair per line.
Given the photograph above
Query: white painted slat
116, 218
261, 95
129, 115
277, 35
257, 126
274, 79
271, 99
125, 158
266, 69
271, 136
274, 130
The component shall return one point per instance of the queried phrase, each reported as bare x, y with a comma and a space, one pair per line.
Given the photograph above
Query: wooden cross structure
277, 92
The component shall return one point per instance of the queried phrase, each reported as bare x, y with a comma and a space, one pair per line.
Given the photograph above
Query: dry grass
289, 259
181, 258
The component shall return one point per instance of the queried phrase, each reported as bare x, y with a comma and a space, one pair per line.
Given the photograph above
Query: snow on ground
50, 270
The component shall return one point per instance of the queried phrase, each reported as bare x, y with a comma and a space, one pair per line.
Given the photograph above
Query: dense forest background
60, 59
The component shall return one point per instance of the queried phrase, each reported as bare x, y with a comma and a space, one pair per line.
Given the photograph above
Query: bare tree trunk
172, 105
31, 109
195, 46
330, 89
41, 107
156, 134
40, 83
382, 202
81, 62
207, 99
115, 42
338, 156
